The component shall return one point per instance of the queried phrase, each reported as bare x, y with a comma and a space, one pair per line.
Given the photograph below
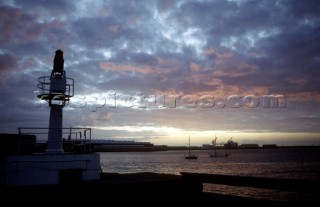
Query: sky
161, 70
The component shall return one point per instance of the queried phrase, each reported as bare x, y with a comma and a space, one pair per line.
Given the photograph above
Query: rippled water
297, 163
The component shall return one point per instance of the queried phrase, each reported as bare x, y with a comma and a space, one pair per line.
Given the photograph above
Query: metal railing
44, 85
78, 139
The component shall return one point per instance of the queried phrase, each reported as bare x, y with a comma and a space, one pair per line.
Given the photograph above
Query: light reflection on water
295, 163
300, 163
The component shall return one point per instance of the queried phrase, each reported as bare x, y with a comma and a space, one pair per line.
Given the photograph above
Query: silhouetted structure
13, 144
54, 166
56, 90
58, 62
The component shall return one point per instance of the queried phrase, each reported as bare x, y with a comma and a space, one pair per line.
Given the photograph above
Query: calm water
297, 163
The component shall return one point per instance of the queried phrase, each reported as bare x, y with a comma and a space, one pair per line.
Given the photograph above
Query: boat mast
189, 145
215, 143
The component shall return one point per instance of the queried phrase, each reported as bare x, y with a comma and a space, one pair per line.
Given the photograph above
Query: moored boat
190, 156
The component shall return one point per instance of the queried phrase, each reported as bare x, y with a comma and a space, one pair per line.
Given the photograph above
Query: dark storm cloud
302, 9
286, 44
8, 64
94, 31
17, 26
54, 8
223, 19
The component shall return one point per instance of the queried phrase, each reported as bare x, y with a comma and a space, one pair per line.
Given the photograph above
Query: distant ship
215, 153
231, 144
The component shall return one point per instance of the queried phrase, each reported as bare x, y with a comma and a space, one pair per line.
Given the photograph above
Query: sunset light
159, 70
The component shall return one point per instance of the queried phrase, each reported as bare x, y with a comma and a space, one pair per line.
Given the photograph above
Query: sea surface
294, 163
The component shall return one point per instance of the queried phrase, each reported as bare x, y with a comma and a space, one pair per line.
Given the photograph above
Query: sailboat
215, 153
190, 156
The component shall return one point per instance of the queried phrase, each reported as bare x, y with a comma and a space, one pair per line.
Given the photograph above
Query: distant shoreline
184, 148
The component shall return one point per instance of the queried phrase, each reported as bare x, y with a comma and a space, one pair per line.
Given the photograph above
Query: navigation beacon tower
54, 166
56, 89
